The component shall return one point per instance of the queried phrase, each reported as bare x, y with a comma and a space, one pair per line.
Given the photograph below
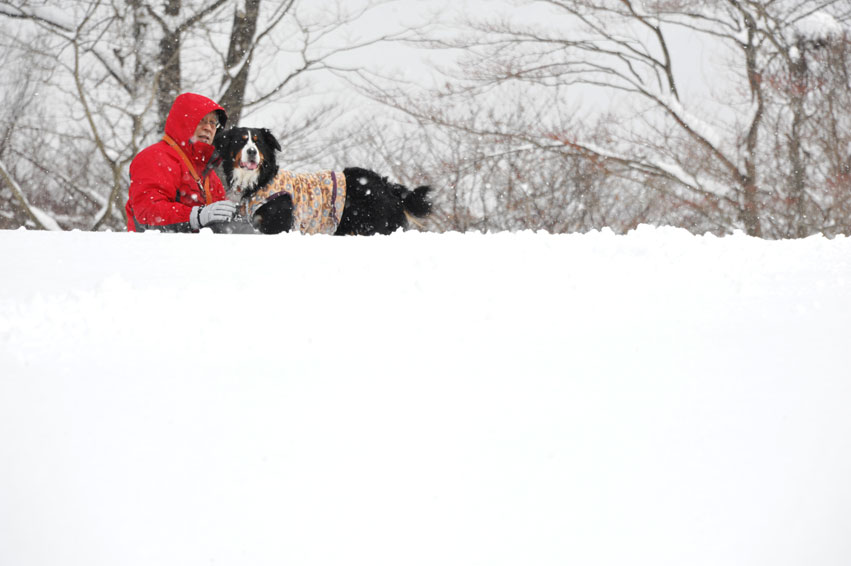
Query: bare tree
807, 102
709, 159
239, 55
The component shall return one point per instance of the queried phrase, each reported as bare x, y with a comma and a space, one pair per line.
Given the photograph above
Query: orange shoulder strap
205, 188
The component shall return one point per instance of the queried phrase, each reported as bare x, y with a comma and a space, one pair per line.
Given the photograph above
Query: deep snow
506, 399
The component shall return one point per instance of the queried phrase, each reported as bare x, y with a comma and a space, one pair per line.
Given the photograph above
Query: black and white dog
355, 201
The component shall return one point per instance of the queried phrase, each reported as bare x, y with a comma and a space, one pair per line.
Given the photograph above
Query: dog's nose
252, 152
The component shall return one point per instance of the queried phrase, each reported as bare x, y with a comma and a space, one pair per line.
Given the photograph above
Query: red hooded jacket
162, 190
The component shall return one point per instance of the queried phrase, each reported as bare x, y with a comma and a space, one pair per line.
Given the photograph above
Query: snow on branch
700, 128
41, 219
818, 26
655, 168
53, 17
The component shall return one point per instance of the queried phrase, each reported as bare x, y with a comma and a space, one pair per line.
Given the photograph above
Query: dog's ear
220, 139
270, 139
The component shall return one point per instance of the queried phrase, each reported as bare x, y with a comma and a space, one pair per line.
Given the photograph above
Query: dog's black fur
373, 204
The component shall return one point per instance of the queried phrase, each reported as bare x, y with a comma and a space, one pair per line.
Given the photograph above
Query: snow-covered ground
518, 399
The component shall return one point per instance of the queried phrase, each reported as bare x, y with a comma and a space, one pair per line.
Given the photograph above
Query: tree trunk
750, 202
168, 86
797, 194
238, 62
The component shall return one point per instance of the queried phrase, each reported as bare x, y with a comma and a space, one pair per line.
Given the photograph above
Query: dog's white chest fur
243, 180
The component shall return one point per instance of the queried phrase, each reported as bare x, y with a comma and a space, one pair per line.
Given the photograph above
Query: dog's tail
417, 205
417, 202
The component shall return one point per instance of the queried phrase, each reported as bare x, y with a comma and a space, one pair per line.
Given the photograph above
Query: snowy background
438, 399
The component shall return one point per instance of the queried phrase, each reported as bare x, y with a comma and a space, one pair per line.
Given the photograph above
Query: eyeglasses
212, 122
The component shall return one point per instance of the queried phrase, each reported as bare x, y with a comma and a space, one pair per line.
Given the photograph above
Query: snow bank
656, 398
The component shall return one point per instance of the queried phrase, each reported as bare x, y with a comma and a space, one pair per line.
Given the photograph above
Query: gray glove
220, 211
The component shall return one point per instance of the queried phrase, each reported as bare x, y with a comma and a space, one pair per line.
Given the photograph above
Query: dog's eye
245, 137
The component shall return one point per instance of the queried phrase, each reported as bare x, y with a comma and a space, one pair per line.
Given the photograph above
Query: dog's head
248, 158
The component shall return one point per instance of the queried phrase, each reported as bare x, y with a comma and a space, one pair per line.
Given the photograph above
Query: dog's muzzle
252, 162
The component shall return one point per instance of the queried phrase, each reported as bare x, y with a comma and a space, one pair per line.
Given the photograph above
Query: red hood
186, 112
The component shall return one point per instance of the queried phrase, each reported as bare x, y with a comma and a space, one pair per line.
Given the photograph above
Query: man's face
206, 129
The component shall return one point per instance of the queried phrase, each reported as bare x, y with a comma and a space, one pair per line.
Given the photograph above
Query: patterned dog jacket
318, 199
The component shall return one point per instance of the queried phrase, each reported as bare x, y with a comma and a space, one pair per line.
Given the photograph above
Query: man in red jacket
169, 190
